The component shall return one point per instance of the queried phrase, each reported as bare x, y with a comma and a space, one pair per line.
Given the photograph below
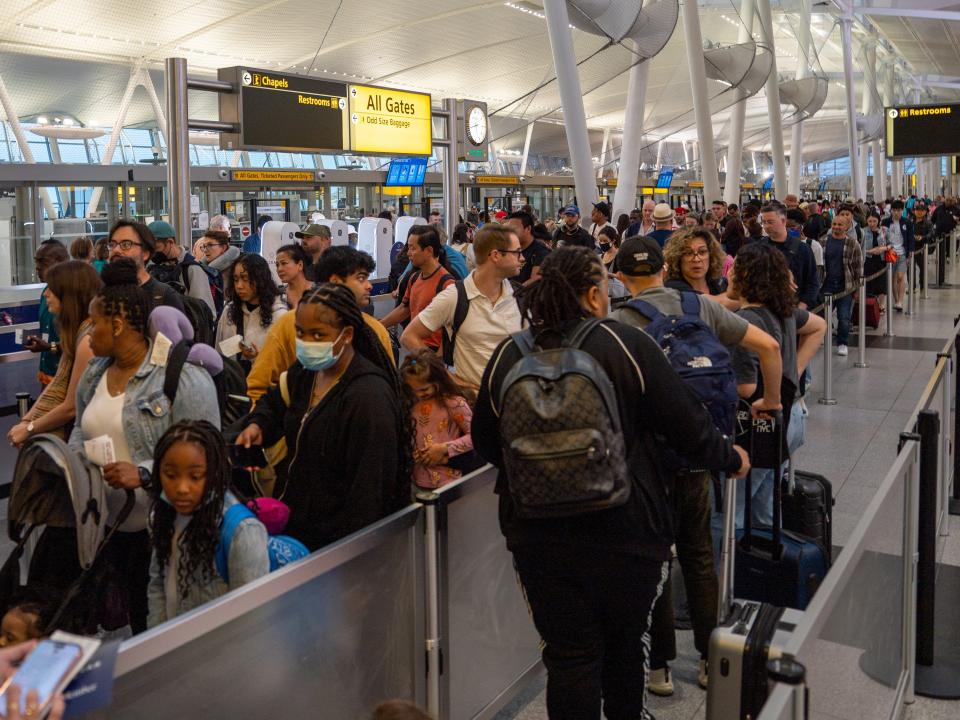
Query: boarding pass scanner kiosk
274, 235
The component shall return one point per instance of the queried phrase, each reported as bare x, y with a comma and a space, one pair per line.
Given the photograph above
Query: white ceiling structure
75, 56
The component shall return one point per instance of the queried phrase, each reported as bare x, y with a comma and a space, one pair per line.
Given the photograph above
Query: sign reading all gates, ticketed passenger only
389, 122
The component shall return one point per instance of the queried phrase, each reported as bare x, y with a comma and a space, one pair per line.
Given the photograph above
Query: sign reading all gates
293, 113
919, 130
387, 121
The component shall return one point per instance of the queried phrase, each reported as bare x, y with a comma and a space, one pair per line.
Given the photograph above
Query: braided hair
198, 543
122, 295
341, 300
554, 300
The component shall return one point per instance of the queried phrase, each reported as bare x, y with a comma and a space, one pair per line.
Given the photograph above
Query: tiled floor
853, 443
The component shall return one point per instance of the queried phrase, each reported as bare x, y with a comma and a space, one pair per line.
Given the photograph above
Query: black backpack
197, 311
231, 383
563, 446
459, 315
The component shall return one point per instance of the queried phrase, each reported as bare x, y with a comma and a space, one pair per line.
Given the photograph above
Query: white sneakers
841, 349
660, 683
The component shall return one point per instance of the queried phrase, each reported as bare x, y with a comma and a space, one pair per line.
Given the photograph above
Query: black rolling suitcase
776, 565
808, 508
748, 635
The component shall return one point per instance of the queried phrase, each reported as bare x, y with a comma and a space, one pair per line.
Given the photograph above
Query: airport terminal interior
240, 478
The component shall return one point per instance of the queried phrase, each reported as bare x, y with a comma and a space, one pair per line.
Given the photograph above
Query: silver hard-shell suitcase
748, 635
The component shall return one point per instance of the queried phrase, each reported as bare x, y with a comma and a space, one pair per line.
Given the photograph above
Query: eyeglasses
516, 252
207, 246
122, 244
698, 254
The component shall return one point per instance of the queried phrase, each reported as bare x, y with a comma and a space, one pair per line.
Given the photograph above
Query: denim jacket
248, 561
147, 415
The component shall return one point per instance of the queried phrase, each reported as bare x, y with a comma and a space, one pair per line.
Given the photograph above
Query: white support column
107, 158
686, 154
731, 190
701, 102
846, 28
697, 167
625, 196
571, 98
603, 152
526, 149
773, 103
753, 157
147, 83
659, 155
803, 71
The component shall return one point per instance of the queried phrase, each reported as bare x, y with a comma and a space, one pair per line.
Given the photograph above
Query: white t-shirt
104, 416
595, 229
487, 324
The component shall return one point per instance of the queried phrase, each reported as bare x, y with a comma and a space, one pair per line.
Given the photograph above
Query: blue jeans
761, 501
844, 308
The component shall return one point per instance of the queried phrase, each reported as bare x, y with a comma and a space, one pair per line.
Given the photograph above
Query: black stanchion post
955, 499
928, 427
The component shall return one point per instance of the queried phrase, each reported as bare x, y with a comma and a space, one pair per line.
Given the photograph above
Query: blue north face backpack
699, 358
282, 549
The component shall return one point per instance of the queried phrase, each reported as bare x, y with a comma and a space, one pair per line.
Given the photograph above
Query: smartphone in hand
253, 456
45, 670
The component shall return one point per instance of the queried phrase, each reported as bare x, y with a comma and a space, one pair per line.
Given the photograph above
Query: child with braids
190, 495
348, 426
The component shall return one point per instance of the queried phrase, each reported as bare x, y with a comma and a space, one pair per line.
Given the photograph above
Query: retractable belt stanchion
862, 321
433, 640
788, 671
828, 398
890, 303
955, 498
925, 276
23, 403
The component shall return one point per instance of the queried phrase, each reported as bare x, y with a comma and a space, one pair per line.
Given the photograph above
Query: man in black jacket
570, 231
799, 256
591, 579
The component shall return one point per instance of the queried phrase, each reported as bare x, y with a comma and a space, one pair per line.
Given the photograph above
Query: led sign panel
406, 171
920, 130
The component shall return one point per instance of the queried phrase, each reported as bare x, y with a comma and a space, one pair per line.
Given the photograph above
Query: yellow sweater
280, 352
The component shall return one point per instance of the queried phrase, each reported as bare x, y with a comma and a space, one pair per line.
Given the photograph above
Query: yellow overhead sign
661, 191
646, 191
274, 175
695, 183
497, 180
387, 121
611, 182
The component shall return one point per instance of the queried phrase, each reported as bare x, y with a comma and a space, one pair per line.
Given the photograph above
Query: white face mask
318, 355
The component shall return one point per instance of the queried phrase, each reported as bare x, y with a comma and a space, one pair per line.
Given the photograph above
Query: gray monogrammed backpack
560, 429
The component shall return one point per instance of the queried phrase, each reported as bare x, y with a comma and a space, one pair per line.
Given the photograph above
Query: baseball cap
500, 214
571, 210
162, 230
602, 207
639, 255
920, 206
309, 231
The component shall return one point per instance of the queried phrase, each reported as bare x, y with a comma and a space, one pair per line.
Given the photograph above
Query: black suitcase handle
748, 539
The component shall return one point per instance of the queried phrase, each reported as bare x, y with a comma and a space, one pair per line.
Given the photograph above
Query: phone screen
42, 671
252, 456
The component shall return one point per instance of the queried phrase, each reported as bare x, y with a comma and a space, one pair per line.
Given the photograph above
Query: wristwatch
55, 348
145, 477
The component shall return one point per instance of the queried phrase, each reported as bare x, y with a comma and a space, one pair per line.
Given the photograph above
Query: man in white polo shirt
492, 312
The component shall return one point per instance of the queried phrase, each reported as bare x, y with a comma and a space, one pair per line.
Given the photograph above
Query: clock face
477, 126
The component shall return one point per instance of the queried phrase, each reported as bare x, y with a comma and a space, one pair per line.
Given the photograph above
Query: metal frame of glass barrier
490, 648
903, 478
249, 645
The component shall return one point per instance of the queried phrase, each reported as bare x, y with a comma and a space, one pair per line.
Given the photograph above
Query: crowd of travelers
229, 392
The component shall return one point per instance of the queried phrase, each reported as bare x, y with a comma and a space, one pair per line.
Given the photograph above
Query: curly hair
677, 245
341, 300
425, 365
762, 276
554, 300
260, 277
122, 295
198, 543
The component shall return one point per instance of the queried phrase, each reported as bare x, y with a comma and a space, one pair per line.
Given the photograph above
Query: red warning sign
245, 230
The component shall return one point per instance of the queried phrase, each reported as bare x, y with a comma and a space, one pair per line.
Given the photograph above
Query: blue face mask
317, 355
